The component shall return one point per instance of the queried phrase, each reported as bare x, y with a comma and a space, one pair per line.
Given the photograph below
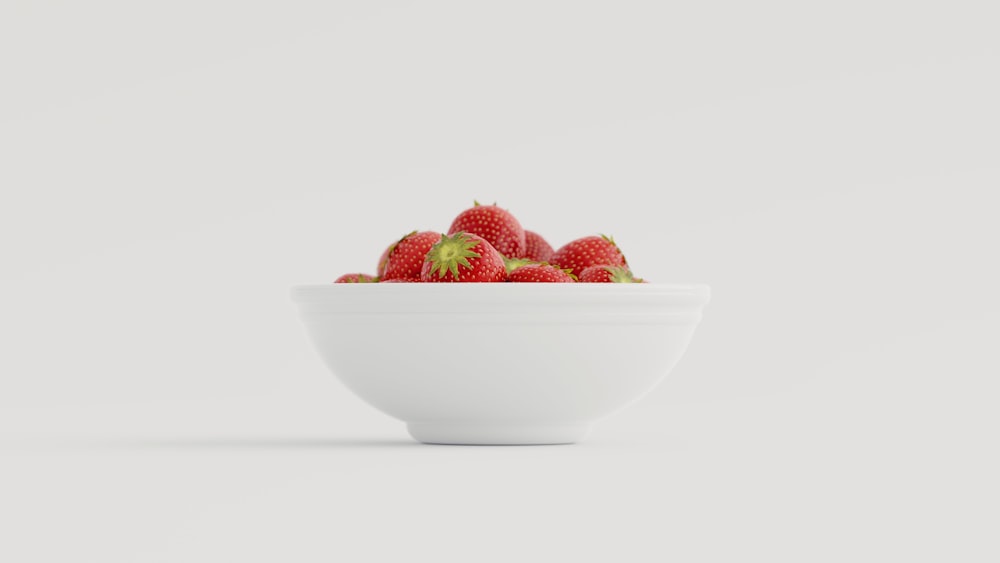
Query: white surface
578, 353
168, 171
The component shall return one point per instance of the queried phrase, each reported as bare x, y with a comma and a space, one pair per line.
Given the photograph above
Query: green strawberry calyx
568, 272
621, 274
512, 264
451, 252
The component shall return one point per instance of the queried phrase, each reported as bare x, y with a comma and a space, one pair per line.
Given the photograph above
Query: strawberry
541, 273
536, 248
406, 257
494, 224
402, 280
356, 278
588, 251
609, 274
463, 257
380, 271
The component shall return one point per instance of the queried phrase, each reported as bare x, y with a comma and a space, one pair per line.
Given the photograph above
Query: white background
168, 170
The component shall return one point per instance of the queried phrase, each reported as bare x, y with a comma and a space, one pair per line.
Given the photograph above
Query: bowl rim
689, 292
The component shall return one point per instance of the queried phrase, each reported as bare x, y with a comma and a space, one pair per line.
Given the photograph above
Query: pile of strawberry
487, 244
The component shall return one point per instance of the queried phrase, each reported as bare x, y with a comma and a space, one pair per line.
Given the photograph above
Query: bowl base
454, 433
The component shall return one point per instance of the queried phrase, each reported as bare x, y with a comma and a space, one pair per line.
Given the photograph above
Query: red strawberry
541, 273
356, 278
609, 274
588, 251
463, 257
406, 257
536, 248
403, 280
494, 224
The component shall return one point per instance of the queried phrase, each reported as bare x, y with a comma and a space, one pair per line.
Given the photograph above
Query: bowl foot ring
499, 434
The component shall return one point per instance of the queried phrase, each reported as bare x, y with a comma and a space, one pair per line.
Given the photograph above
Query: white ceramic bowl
500, 363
